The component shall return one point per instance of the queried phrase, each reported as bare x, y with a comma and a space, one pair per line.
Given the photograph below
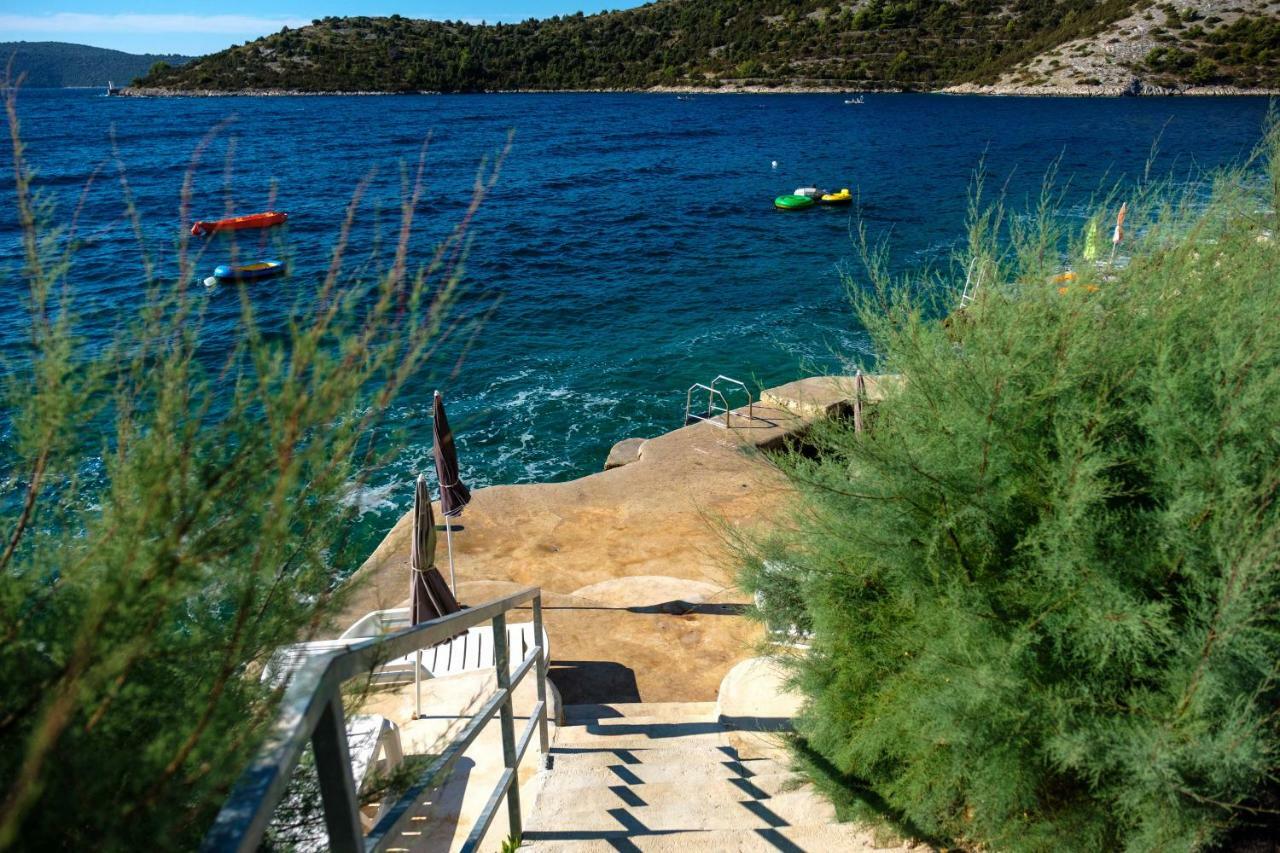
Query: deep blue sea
630, 247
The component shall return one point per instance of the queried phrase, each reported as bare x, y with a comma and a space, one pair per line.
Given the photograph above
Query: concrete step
663, 711
770, 777
562, 792
602, 811
645, 769
627, 735
656, 721
833, 838
688, 756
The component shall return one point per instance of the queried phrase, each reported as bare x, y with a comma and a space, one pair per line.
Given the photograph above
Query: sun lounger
374, 746
464, 653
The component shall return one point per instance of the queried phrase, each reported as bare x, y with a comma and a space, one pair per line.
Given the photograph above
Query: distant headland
61, 65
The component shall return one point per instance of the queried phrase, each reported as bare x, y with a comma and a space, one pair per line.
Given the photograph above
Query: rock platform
635, 562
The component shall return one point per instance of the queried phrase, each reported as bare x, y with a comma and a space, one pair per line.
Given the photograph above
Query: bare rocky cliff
1193, 47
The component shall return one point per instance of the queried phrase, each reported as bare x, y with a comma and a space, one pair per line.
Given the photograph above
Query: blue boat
248, 272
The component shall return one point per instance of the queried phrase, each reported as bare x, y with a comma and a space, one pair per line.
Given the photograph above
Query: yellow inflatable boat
842, 197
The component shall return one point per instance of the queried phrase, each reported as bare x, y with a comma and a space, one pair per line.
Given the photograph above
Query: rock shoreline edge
1134, 88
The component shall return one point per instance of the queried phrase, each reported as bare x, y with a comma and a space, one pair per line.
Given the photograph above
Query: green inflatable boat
792, 202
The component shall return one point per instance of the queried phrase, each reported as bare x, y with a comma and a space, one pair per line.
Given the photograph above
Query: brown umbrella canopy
454, 495
429, 595
422, 553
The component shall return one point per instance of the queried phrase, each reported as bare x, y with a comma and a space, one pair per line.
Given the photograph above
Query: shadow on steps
586, 682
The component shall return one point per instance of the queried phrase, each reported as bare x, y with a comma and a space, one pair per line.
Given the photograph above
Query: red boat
235, 223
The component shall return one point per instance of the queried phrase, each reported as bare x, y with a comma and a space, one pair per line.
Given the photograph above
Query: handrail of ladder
311, 711
751, 406
715, 412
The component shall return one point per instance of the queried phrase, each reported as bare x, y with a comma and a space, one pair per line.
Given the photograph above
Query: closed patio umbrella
429, 595
454, 495
423, 606
422, 554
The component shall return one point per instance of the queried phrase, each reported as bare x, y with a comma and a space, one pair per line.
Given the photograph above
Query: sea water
629, 249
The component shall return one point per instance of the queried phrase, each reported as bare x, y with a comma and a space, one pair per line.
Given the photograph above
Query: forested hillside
865, 43
55, 64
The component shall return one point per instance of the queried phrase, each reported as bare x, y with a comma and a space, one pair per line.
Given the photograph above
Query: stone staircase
661, 777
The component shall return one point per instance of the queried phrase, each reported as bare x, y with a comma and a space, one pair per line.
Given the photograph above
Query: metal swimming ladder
718, 412
972, 282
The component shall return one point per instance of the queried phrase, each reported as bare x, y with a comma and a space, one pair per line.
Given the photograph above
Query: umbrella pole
417, 684
448, 535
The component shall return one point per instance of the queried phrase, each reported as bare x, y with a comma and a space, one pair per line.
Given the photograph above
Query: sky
169, 26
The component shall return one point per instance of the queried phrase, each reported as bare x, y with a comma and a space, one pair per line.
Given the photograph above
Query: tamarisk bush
1044, 587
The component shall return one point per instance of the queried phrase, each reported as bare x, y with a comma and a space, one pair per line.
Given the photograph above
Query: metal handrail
715, 412
311, 711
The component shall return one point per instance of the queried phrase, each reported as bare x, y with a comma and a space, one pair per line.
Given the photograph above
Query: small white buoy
775, 164
210, 281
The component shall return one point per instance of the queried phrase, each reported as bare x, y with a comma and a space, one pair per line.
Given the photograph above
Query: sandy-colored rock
652, 590
809, 398
754, 695
824, 396
624, 453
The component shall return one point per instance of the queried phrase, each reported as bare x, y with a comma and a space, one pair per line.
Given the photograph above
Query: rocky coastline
1134, 88
154, 92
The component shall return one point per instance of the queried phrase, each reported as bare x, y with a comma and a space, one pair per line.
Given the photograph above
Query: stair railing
311, 711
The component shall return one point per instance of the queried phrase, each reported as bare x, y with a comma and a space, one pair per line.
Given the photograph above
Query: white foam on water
365, 498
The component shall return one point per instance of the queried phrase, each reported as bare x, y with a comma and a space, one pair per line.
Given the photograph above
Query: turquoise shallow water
630, 248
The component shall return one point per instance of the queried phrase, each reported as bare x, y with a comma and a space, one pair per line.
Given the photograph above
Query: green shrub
1204, 71
1043, 587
